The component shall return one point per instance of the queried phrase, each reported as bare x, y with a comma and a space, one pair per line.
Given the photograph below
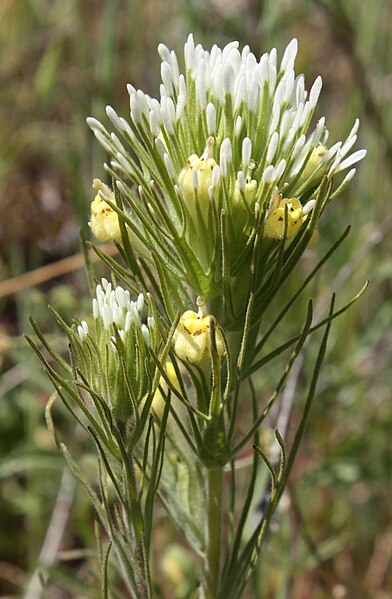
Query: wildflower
104, 220
192, 336
274, 225
196, 177
282, 208
198, 165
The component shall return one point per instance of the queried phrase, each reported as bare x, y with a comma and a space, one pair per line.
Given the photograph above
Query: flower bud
192, 337
159, 401
274, 226
243, 203
314, 171
196, 177
104, 220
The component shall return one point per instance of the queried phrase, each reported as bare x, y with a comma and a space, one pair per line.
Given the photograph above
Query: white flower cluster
258, 106
115, 306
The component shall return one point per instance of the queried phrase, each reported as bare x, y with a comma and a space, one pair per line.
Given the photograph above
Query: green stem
143, 578
214, 480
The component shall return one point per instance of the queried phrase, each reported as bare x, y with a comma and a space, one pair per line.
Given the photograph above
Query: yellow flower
274, 225
104, 220
192, 336
247, 189
196, 176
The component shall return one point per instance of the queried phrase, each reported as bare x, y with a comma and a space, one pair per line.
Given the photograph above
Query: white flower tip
146, 335
246, 151
321, 122
350, 160
280, 168
94, 124
164, 52
308, 206
140, 302
315, 92
269, 175
228, 79
238, 125
241, 181
169, 165
211, 118
215, 176
272, 146
81, 332
226, 152
288, 56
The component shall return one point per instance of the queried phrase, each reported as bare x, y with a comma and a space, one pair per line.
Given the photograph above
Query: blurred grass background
62, 60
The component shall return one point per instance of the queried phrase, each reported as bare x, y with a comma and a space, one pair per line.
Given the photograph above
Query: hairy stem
214, 529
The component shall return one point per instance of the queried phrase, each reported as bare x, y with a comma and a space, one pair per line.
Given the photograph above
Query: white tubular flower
115, 307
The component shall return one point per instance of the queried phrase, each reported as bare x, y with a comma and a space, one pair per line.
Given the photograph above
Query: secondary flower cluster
114, 306
117, 346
